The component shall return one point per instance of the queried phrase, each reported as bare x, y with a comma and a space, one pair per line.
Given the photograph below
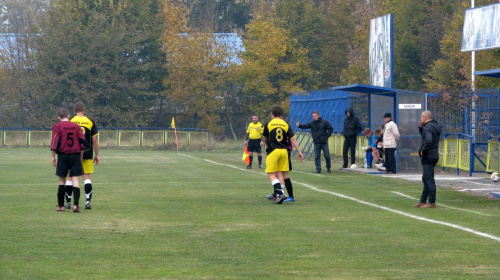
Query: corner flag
175, 130
245, 157
173, 123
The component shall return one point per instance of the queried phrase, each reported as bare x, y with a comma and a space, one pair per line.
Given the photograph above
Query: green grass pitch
203, 215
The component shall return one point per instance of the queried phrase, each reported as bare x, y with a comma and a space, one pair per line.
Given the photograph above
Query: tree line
138, 63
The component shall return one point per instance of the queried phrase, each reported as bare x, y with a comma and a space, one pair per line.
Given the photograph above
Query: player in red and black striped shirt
68, 142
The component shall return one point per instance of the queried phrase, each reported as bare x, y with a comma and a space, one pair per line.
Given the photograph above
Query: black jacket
430, 134
321, 130
352, 126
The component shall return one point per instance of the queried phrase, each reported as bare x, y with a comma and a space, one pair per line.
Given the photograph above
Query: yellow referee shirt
255, 130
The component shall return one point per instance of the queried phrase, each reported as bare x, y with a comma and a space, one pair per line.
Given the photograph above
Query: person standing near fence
352, 127
254, 141
430, 133
321, 130
391, 139
68, 142
89, 128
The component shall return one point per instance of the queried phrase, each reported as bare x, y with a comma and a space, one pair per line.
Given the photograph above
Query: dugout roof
366, 89
493, 73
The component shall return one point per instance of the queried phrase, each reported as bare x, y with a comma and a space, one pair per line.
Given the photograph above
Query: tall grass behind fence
112, 137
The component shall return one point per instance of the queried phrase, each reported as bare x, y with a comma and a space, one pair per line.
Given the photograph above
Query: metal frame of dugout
405, 107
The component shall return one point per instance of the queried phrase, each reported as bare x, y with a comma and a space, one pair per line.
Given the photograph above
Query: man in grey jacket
321, 130
430, 132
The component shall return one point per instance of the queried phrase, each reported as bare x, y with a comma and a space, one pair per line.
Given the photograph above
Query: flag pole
175, 130
176, 141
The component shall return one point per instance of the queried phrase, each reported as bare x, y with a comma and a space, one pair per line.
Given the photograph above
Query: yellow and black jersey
278, 134
255, 130
89, 130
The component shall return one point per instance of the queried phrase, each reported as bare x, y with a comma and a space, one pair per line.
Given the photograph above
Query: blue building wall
330, 104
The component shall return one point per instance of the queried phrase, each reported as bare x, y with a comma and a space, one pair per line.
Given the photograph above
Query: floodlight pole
473, 108
473, 89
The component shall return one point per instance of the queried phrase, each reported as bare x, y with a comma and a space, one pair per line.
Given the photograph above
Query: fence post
488, 158
141, 137
445, 153
471, 157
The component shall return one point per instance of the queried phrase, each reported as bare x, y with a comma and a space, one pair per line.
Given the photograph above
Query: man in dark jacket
352, 127
430, 132
321, 130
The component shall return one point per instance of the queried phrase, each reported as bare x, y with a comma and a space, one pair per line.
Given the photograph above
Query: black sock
76, 193
289, 188
251, 159
69, 191
260, 160
88, 192
60, 196
277, 189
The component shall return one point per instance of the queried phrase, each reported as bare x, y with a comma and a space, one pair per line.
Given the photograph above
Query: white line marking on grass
437, 177
403, 213
404, 195
376, 206
244, 169
481, 184
478, 190
446, 206
307, 173
188, 156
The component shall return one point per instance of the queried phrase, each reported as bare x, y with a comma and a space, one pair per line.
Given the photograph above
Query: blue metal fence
451, 109
331, 105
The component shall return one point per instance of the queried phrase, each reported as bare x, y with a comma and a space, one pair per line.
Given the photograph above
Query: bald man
430, 132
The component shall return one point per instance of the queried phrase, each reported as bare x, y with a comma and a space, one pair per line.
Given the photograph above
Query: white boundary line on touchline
466, 229
446, 206
437, 177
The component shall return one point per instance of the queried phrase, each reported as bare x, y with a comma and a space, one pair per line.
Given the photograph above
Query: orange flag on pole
245, 157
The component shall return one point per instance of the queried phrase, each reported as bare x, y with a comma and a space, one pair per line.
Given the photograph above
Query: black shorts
254, 145
71, 163
289, 160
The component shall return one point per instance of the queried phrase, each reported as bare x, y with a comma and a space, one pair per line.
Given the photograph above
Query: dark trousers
317, 155
429, 191
349, 144
390, 160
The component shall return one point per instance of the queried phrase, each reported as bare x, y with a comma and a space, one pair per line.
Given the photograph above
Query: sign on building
481, 29
381, 51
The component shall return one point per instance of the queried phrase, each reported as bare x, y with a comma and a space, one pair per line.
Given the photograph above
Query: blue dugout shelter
370, 103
